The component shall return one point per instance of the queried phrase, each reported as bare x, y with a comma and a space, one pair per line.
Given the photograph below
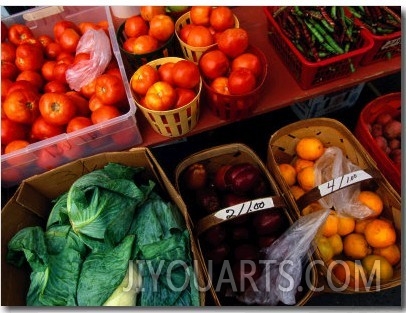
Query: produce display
95, 249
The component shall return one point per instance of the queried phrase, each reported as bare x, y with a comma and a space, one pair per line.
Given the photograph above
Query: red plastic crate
390, 103
310, 74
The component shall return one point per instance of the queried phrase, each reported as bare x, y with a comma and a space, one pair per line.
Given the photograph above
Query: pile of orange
366, 246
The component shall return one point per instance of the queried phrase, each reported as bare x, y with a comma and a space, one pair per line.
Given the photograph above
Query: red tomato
22, 106
29, 57
161, 27
22, 84
52, 50
12, 175
148, 12
88, 90
50, 157
45, 40
82, 56
199, 36
241, 81
18, 33
85, 26
11, 131
110, 89
143, 78
165, 72
57, 108
60, 69
47, 70
200, 15
184, 31
16, 145
78, 122
249, 61
56, 86
61, 26
33, 77
5, 87
214, 63
4, 31
128, 44
104, 113
70, 151
144, 44
220, 85
69, 40
221, 18
81, 103
161, 96
41, 129
8, 51
184, 96
95, 102
114, 71
8, 70
135, 26
185, 74
233, 41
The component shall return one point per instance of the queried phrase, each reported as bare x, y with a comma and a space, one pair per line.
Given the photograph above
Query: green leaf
59, 214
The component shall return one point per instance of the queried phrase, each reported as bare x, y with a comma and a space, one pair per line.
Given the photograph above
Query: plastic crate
390, 103
310, 74
326, 104
113, 135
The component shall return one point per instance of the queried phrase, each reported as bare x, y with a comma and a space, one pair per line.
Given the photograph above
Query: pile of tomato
37, 102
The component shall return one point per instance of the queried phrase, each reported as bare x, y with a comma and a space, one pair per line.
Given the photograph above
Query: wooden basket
213, 158
176, 122
281, 149
193, 53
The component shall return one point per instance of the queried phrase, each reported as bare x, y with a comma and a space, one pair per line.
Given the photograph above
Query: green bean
329, 39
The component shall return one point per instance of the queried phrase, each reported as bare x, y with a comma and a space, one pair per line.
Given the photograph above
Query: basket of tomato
147, 36
198, 29
167, 91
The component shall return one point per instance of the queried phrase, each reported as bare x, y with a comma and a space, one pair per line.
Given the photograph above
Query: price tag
244, 208
343, 181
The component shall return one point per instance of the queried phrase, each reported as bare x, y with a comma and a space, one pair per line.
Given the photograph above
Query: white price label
343, 181
244, 208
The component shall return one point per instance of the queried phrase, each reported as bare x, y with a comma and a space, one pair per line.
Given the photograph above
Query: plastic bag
282, 275
97, 44
333, 164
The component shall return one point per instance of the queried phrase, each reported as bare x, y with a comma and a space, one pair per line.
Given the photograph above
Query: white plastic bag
282, 275
333, 164
97, 44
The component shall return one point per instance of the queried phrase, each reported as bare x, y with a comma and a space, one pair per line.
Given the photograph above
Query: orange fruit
355, 246
325, 248
391, 253
306, 178
346, 225
300, 163
372, 200
288, 173
378, 265
360, 225
330, 226
348, 272
336, 243
380, 233
297, 191
309, 148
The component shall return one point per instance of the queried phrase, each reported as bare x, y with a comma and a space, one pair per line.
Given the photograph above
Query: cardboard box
31, 204
116, 134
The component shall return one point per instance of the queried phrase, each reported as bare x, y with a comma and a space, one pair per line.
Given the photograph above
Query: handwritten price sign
245, 208
343, 181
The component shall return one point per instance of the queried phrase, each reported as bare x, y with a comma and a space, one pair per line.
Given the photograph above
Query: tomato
104, 113
144, 44
143, 78
128, 44
233, 41
95, 102
11, 131
33, 77
16, 145
78, 122
18, 33
200, 15
12, 175
69, 40
241, 81
114, 71
41, 129
184, 31
161, 27
57, 108
249, 61
50, 157
214, 63
8, 70
148, 12
8, 51
81, 103
82, 56
165, 72
45, 40
56, 86
135, 26
29, 57
221, 18
220, 85
85, 26
161, 96
22, 106
22, 84
199, 36
184, 96
60, 68
47, 70
5, 87
88, 90
52, 50
60, 26
185, 74
4, 32
70, 150
110, 89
